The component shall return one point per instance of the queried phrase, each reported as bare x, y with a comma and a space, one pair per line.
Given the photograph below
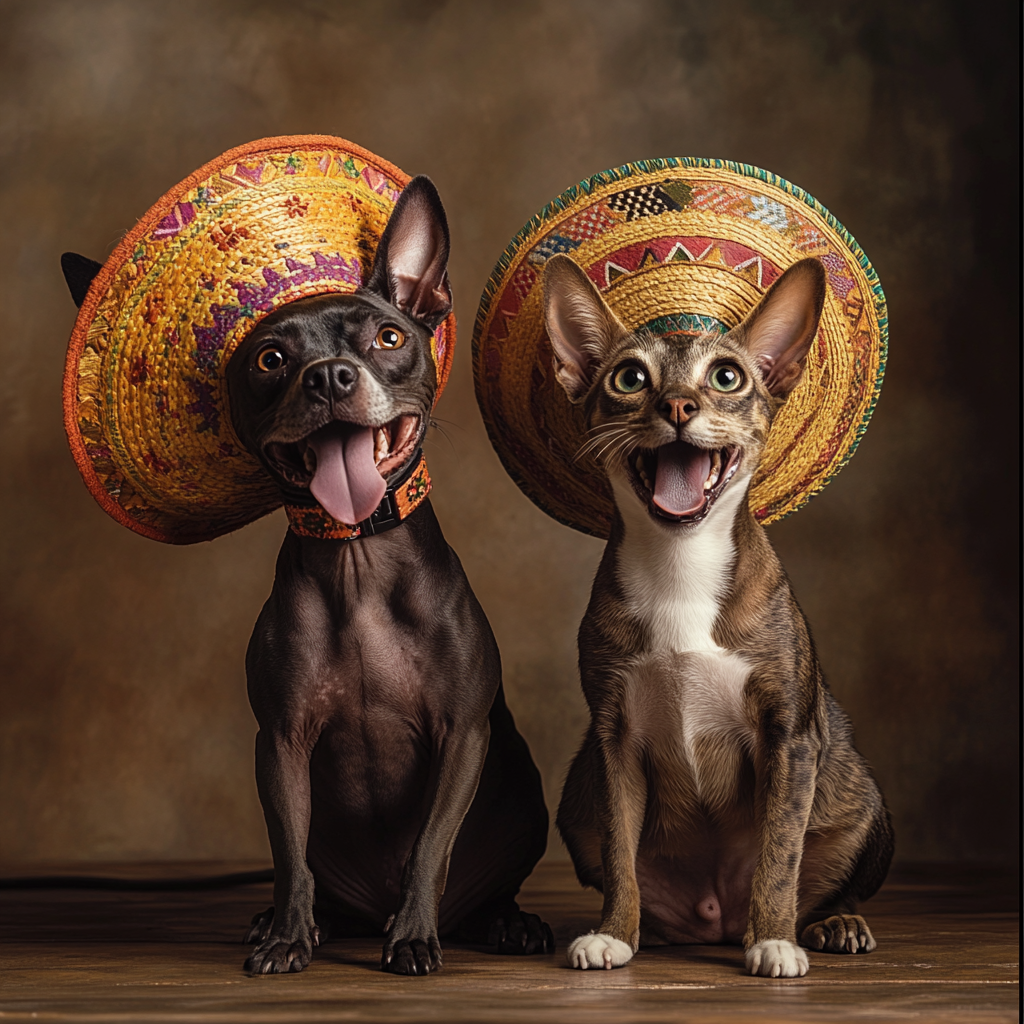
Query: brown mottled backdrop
124, 726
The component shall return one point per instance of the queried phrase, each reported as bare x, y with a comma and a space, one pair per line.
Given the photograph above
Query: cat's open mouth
345, 465
679, 481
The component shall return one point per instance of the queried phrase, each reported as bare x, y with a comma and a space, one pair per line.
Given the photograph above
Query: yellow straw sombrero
145, 400
678, 246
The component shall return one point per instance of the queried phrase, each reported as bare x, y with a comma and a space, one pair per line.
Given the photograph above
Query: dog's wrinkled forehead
269, 380
330, 326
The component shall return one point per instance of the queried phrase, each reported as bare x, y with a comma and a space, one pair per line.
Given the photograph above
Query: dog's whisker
436, 424
437, 421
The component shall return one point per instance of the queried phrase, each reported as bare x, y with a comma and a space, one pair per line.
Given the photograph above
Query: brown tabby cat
717, 796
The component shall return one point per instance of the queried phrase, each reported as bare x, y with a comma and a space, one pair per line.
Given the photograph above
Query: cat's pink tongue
346, 481
679, 481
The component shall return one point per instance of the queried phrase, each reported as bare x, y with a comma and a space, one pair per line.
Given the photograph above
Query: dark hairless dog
399, 797
397, 792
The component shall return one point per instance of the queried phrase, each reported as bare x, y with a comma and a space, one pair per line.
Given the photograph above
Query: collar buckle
386, 516
383, 518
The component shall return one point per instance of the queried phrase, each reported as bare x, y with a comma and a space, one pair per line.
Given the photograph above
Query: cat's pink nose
678, 410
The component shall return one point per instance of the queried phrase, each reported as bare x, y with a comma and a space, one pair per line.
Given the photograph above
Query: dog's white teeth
309, 460
380, 445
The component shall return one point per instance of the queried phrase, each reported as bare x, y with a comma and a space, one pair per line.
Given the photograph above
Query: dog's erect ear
780, 330
79, 272
580, 325
410, 269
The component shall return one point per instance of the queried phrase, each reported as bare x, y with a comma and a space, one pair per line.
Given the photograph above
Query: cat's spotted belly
689, 900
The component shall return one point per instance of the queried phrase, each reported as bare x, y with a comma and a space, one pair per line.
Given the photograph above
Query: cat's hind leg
835, 926
839, 933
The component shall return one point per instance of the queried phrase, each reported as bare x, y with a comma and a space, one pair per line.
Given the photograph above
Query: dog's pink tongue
679, 481
346, 481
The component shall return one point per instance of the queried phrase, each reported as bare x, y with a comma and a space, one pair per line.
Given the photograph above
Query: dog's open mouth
346, 465
679, 481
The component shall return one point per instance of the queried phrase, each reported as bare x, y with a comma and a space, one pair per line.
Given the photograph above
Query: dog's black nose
330, 379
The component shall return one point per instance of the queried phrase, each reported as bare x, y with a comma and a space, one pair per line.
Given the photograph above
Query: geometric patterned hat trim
678, 245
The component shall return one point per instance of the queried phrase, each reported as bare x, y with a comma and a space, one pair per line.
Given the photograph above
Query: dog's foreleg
412, 945
621, 792
282, 778
785, 795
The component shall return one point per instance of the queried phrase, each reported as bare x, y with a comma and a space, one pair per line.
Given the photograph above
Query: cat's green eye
726, 378
629, 379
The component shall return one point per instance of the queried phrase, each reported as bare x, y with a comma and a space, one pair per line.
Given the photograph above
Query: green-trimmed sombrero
145, 399
678, 246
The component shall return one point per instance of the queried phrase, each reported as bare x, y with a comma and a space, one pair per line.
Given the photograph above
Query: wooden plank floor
947, 951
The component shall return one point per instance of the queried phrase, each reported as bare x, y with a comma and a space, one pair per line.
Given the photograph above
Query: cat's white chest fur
674, 582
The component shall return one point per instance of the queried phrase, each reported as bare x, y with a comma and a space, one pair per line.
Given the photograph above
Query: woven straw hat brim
678, 246
145, 397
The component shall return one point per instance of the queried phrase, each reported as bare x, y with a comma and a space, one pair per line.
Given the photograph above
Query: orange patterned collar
399, 502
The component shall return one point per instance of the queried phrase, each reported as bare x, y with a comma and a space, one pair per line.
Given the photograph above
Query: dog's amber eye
726, 378
270, 359
389, 337
629, 379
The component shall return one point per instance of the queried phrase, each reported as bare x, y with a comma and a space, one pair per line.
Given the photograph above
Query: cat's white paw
598, 950
777, 958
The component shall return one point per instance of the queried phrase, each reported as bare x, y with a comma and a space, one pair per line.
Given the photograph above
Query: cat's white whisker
616, 445
622, 449
600, 454
608, 435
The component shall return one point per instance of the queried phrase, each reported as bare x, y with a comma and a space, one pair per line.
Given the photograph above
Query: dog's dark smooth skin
398, 795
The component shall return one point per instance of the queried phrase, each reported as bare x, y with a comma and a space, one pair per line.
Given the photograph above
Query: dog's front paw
412, 956
598, 950
260, 927
521, 934
841, 933
777, 958
280, 953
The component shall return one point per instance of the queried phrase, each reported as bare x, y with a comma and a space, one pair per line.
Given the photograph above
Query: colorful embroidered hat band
678, 246
145, 399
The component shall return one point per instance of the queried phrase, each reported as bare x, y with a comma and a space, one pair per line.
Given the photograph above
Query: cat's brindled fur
717, 796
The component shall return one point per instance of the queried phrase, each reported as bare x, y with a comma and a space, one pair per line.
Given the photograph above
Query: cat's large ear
410, 268
779, 332
78, 272
580, 325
